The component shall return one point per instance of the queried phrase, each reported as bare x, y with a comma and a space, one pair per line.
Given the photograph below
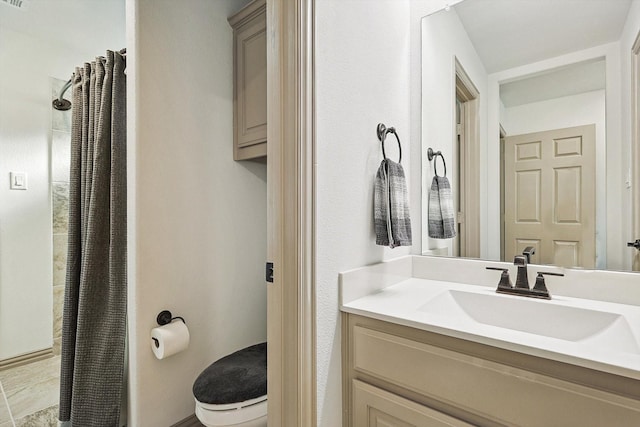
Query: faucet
528, 251
522, 280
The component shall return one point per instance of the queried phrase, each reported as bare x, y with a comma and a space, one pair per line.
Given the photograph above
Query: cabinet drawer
497, 392
375, 407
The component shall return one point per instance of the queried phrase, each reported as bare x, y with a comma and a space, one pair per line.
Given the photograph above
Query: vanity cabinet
250, 81
404, 376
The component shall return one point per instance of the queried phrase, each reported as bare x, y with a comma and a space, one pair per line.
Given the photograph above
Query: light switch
18, 180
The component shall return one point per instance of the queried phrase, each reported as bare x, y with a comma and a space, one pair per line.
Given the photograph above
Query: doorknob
635, 244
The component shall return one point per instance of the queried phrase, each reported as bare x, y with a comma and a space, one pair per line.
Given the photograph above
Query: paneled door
549, 192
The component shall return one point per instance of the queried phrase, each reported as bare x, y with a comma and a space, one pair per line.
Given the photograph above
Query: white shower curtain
94, 318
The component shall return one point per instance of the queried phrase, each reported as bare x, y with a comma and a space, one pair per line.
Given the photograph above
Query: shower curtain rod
67, 85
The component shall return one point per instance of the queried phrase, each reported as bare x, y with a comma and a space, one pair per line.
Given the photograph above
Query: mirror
529, 105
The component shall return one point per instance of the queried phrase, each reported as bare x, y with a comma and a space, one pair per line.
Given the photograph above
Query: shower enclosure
30, 378
44, 40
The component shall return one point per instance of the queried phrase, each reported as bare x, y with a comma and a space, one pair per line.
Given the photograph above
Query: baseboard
191, 421
25, 358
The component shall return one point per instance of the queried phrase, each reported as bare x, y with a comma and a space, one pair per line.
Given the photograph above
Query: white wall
197, 218
25, 216
577, 110
629, 34
443, 40
362, 79
27, 61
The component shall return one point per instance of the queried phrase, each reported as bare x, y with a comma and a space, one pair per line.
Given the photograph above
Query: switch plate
18, 180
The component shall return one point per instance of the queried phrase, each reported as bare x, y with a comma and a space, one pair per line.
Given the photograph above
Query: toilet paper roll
169, 339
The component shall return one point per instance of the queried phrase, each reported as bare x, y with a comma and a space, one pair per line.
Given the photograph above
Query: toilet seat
232, 391
233, 413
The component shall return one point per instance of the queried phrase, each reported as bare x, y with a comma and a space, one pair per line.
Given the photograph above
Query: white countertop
387, 292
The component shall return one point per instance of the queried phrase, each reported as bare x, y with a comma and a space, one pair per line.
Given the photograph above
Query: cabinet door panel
496, 392
252, 84
374, 407
250, 81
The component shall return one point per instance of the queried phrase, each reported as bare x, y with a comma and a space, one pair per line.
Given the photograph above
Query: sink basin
600, 329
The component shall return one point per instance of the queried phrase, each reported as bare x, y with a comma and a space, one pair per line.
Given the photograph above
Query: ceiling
565, 81
69, 22
510, 33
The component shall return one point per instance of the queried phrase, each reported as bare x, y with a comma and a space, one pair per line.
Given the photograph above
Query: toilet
232, 391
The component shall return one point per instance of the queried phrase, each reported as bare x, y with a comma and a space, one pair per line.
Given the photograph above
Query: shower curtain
94, 317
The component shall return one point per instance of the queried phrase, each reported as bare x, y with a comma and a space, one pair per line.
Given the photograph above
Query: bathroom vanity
419, 350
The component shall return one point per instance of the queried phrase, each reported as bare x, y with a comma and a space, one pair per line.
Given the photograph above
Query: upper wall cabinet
250, 81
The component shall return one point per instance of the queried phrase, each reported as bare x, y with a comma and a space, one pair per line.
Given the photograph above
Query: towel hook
432, 155
382, 132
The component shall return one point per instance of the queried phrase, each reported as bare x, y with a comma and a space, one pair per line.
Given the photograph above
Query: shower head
61, 104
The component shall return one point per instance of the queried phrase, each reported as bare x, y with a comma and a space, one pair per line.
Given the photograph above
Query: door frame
291, 330
503, 135
469, 94
635, 149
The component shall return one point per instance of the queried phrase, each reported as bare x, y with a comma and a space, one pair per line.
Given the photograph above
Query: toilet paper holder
164, 318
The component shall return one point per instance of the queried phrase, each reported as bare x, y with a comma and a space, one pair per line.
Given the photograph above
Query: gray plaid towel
442, 220
391, 217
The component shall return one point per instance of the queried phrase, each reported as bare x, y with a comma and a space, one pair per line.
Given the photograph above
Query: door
550, 196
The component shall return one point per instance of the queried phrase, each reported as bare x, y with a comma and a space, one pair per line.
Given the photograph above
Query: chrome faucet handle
505, 281
540, 288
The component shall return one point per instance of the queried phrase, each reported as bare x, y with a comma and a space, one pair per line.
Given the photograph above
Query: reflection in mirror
540, 155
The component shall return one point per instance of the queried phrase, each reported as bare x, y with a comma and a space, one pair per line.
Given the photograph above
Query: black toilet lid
235, 378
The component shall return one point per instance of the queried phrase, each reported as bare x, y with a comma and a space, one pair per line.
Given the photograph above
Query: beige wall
197, 219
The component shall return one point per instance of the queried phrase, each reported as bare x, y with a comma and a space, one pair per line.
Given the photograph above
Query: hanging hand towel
392, 221
442, 221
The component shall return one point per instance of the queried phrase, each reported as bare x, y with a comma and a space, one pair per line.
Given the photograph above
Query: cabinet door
374, 407
251, 88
